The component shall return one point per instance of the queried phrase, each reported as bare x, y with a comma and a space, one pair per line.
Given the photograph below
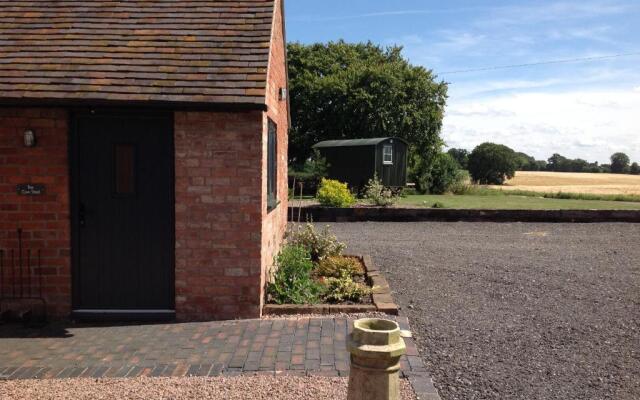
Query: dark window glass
272, 166
125, 179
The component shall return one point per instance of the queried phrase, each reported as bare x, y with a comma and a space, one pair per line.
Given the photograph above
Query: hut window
124, 155
387, 154
272, 166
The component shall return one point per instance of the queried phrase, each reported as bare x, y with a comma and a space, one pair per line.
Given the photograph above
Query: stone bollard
376, 347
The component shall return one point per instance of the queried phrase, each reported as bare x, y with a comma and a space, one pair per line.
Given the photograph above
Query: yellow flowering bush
333, 193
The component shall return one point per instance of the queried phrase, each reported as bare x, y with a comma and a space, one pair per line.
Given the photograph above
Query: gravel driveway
236, 388
516, 311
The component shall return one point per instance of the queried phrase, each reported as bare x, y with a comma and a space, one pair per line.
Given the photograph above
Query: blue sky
587, 109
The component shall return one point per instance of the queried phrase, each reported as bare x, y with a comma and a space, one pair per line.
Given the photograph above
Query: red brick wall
44, 219
218, 217
275, 222
226, 238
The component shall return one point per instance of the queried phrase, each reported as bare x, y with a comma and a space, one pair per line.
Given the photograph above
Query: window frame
272, 165
384, 148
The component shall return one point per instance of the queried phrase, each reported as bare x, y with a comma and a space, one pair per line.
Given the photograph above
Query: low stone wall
361, 214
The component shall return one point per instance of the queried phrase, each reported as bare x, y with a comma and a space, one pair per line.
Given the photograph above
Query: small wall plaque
30, 189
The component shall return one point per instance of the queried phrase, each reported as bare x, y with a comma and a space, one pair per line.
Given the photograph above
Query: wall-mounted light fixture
283, 94
29, 138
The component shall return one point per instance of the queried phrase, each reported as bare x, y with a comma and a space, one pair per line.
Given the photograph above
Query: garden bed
380, 299
313, 276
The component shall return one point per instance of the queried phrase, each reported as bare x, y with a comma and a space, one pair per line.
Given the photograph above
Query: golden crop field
568, 182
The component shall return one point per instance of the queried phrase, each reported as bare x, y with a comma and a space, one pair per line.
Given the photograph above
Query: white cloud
637, 89
587, 124
391, 13
457, 40
557, 11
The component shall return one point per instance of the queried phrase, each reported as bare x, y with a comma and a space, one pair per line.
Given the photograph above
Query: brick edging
382, 300
378, 214
417, 375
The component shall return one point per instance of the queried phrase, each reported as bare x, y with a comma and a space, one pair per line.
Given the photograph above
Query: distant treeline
620, 163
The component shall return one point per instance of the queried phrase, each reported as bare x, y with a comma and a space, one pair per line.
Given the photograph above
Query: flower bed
314, 276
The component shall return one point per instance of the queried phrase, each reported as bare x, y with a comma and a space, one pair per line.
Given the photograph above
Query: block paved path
299, 346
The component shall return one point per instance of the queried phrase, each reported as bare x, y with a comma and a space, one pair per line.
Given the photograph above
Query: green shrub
334, 194
320, 245
343, 289
408, 191
292, 281
444, 174
377, 194
462, 184
438, 176
337, 265
438, 204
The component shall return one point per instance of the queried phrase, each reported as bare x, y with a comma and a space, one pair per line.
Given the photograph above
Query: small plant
335, 266
377, 194
339, 290
437, 204
320, 245
334, 194
292, 281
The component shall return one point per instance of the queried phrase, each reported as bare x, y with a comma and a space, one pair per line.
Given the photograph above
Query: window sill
271, 205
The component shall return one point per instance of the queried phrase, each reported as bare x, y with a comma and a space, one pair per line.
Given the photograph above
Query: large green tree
620, 163
492, 164
345, 91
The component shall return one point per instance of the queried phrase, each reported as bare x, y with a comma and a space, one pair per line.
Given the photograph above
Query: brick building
143, 152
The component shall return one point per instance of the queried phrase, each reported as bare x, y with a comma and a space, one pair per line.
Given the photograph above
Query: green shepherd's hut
355, 161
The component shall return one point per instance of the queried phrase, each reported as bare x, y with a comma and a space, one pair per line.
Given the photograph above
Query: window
124, 169
272, 166
387, 154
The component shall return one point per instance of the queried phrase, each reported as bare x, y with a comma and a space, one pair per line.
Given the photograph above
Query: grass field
566, 182
541, 191
504, 202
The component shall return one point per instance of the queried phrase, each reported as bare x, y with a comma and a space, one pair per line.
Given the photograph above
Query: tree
346, 91
461, 156
526, 162
619, 163
635, 169
541, 165
578, 165
558, 163
492, 164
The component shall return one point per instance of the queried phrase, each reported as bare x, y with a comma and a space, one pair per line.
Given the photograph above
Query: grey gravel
516, 311
228, 388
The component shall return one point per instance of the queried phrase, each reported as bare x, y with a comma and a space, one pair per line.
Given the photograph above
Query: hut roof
354, 142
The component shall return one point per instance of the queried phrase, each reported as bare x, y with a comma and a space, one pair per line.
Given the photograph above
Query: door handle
81, 215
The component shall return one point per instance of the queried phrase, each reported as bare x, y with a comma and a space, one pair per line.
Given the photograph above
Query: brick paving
199, 349
305, 346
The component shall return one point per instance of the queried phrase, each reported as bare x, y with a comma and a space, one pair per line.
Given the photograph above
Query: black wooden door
124, 207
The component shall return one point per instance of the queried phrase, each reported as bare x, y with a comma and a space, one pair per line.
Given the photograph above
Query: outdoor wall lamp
29, 138
282, 94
